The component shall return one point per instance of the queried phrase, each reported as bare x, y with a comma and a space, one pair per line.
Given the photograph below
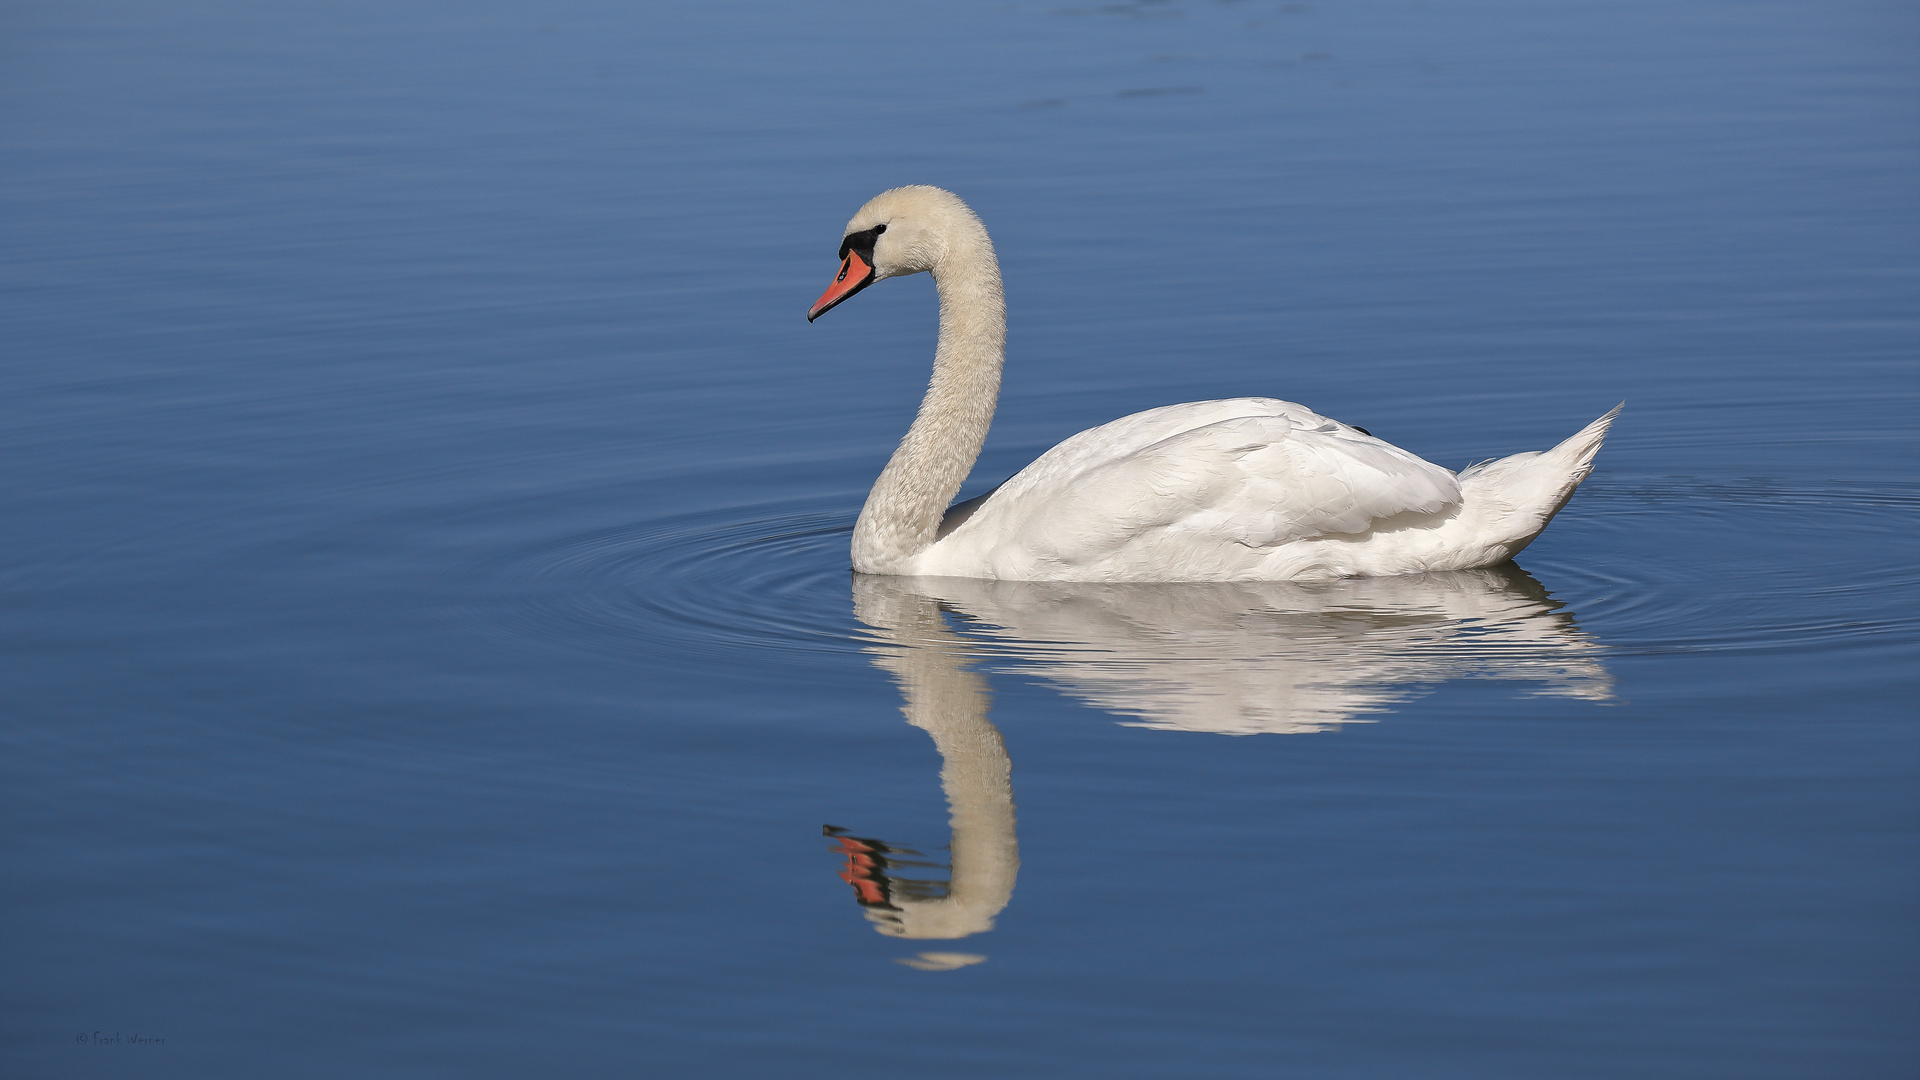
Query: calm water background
429, 649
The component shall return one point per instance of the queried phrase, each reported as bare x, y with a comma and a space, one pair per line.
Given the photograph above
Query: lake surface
430, 649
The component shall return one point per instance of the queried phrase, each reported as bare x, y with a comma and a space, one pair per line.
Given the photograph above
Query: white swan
1245, 489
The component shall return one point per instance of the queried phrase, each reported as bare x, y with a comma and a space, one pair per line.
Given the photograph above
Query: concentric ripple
1698, 566
769, 580
1661, 565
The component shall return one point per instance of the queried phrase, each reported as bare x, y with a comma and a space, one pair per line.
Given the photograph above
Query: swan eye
880, 228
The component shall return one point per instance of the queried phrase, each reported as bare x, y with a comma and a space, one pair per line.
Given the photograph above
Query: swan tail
1522, 493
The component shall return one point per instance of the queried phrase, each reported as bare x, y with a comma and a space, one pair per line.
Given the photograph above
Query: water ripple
768, 580
1753, 566
1684, 565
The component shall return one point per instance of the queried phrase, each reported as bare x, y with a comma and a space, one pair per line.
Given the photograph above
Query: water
430, 646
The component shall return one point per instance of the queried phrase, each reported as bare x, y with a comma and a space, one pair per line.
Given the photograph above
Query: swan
1243, 489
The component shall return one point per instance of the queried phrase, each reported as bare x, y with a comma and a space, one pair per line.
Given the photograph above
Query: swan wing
1204, 490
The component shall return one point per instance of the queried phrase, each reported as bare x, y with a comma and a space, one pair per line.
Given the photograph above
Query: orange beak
855, 275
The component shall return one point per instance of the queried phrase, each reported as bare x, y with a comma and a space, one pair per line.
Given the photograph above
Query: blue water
430, 649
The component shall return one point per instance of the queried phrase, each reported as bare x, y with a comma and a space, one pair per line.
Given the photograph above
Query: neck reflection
1230, 658
948, 700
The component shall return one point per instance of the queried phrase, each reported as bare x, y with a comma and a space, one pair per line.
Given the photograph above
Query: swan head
901, 231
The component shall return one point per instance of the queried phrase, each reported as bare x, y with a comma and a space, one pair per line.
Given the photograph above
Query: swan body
1243, 489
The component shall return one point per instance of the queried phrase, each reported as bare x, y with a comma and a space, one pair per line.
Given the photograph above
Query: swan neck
903, 511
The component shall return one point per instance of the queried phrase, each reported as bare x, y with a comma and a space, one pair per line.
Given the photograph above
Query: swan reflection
948, 700
1230, 658
1272, 657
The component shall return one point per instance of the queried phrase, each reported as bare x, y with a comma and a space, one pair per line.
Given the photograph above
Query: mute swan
1245, 489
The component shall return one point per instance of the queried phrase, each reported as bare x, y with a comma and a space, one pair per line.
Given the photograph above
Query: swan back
1206, 491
